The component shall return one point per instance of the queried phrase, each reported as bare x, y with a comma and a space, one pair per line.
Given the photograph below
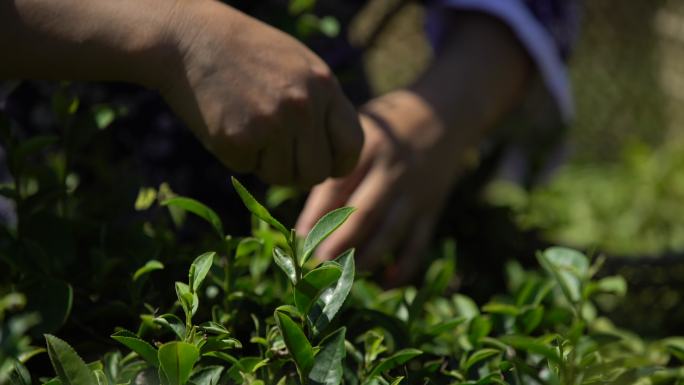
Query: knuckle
322, 74
296, 98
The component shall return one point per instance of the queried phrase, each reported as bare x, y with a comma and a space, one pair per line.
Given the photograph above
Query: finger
385, 239
325, 197
313, 156
409, 261
277, 163
370, 200
345, 135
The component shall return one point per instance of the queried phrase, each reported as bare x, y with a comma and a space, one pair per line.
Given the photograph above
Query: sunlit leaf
322, 229
199, 270
310, 287
332, 298
286, 264
150, 266
136, 344
399, 358
176, 360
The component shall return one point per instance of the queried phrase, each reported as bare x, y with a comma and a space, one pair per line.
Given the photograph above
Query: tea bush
261, 310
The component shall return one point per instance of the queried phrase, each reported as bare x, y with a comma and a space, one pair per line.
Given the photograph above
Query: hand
256, 98
419, 141
408, 165
259, 100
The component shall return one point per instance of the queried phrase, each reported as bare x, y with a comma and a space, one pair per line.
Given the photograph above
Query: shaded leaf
399, 358
173, 323
531, 345
199, 209
257, 208
327, 368
70, 368
209, 375
297, 344
478, 356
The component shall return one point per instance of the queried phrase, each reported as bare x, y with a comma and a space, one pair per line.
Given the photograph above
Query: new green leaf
257, 208
322, 229
176, 360
150, 266
198, 209
199, 270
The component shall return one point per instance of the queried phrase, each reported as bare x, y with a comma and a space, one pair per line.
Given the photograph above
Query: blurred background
619, 189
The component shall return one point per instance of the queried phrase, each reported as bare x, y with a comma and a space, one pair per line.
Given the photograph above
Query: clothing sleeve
547, 29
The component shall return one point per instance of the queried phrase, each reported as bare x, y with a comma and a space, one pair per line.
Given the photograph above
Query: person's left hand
408, 164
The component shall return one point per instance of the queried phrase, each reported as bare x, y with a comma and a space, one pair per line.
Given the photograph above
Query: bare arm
256, 98
123, 40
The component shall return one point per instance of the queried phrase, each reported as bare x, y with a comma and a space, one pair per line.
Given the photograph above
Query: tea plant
312, 323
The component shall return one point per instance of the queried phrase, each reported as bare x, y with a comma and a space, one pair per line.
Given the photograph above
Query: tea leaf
322, 229
198, 209
531, 345
299, 347
70, 368
530, 319
478, 356
176, 360
286, 264
209, 375
133, 342
257, 208
311, 286
569, 268
199, 270
332, 298
399, 358
150, 266
172, 323
327, 367
188, 300
480, 327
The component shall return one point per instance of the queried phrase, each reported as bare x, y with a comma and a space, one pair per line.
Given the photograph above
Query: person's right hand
258, 100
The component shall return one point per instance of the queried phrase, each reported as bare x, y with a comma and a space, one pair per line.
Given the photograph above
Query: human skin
257, 99
419, 140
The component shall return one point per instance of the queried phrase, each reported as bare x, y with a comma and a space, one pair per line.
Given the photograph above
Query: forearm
479, 75
84, 39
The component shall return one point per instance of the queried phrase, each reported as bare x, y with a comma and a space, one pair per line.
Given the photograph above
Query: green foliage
262, 310
631, 207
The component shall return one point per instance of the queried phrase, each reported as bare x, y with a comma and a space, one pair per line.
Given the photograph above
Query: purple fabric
561, 18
